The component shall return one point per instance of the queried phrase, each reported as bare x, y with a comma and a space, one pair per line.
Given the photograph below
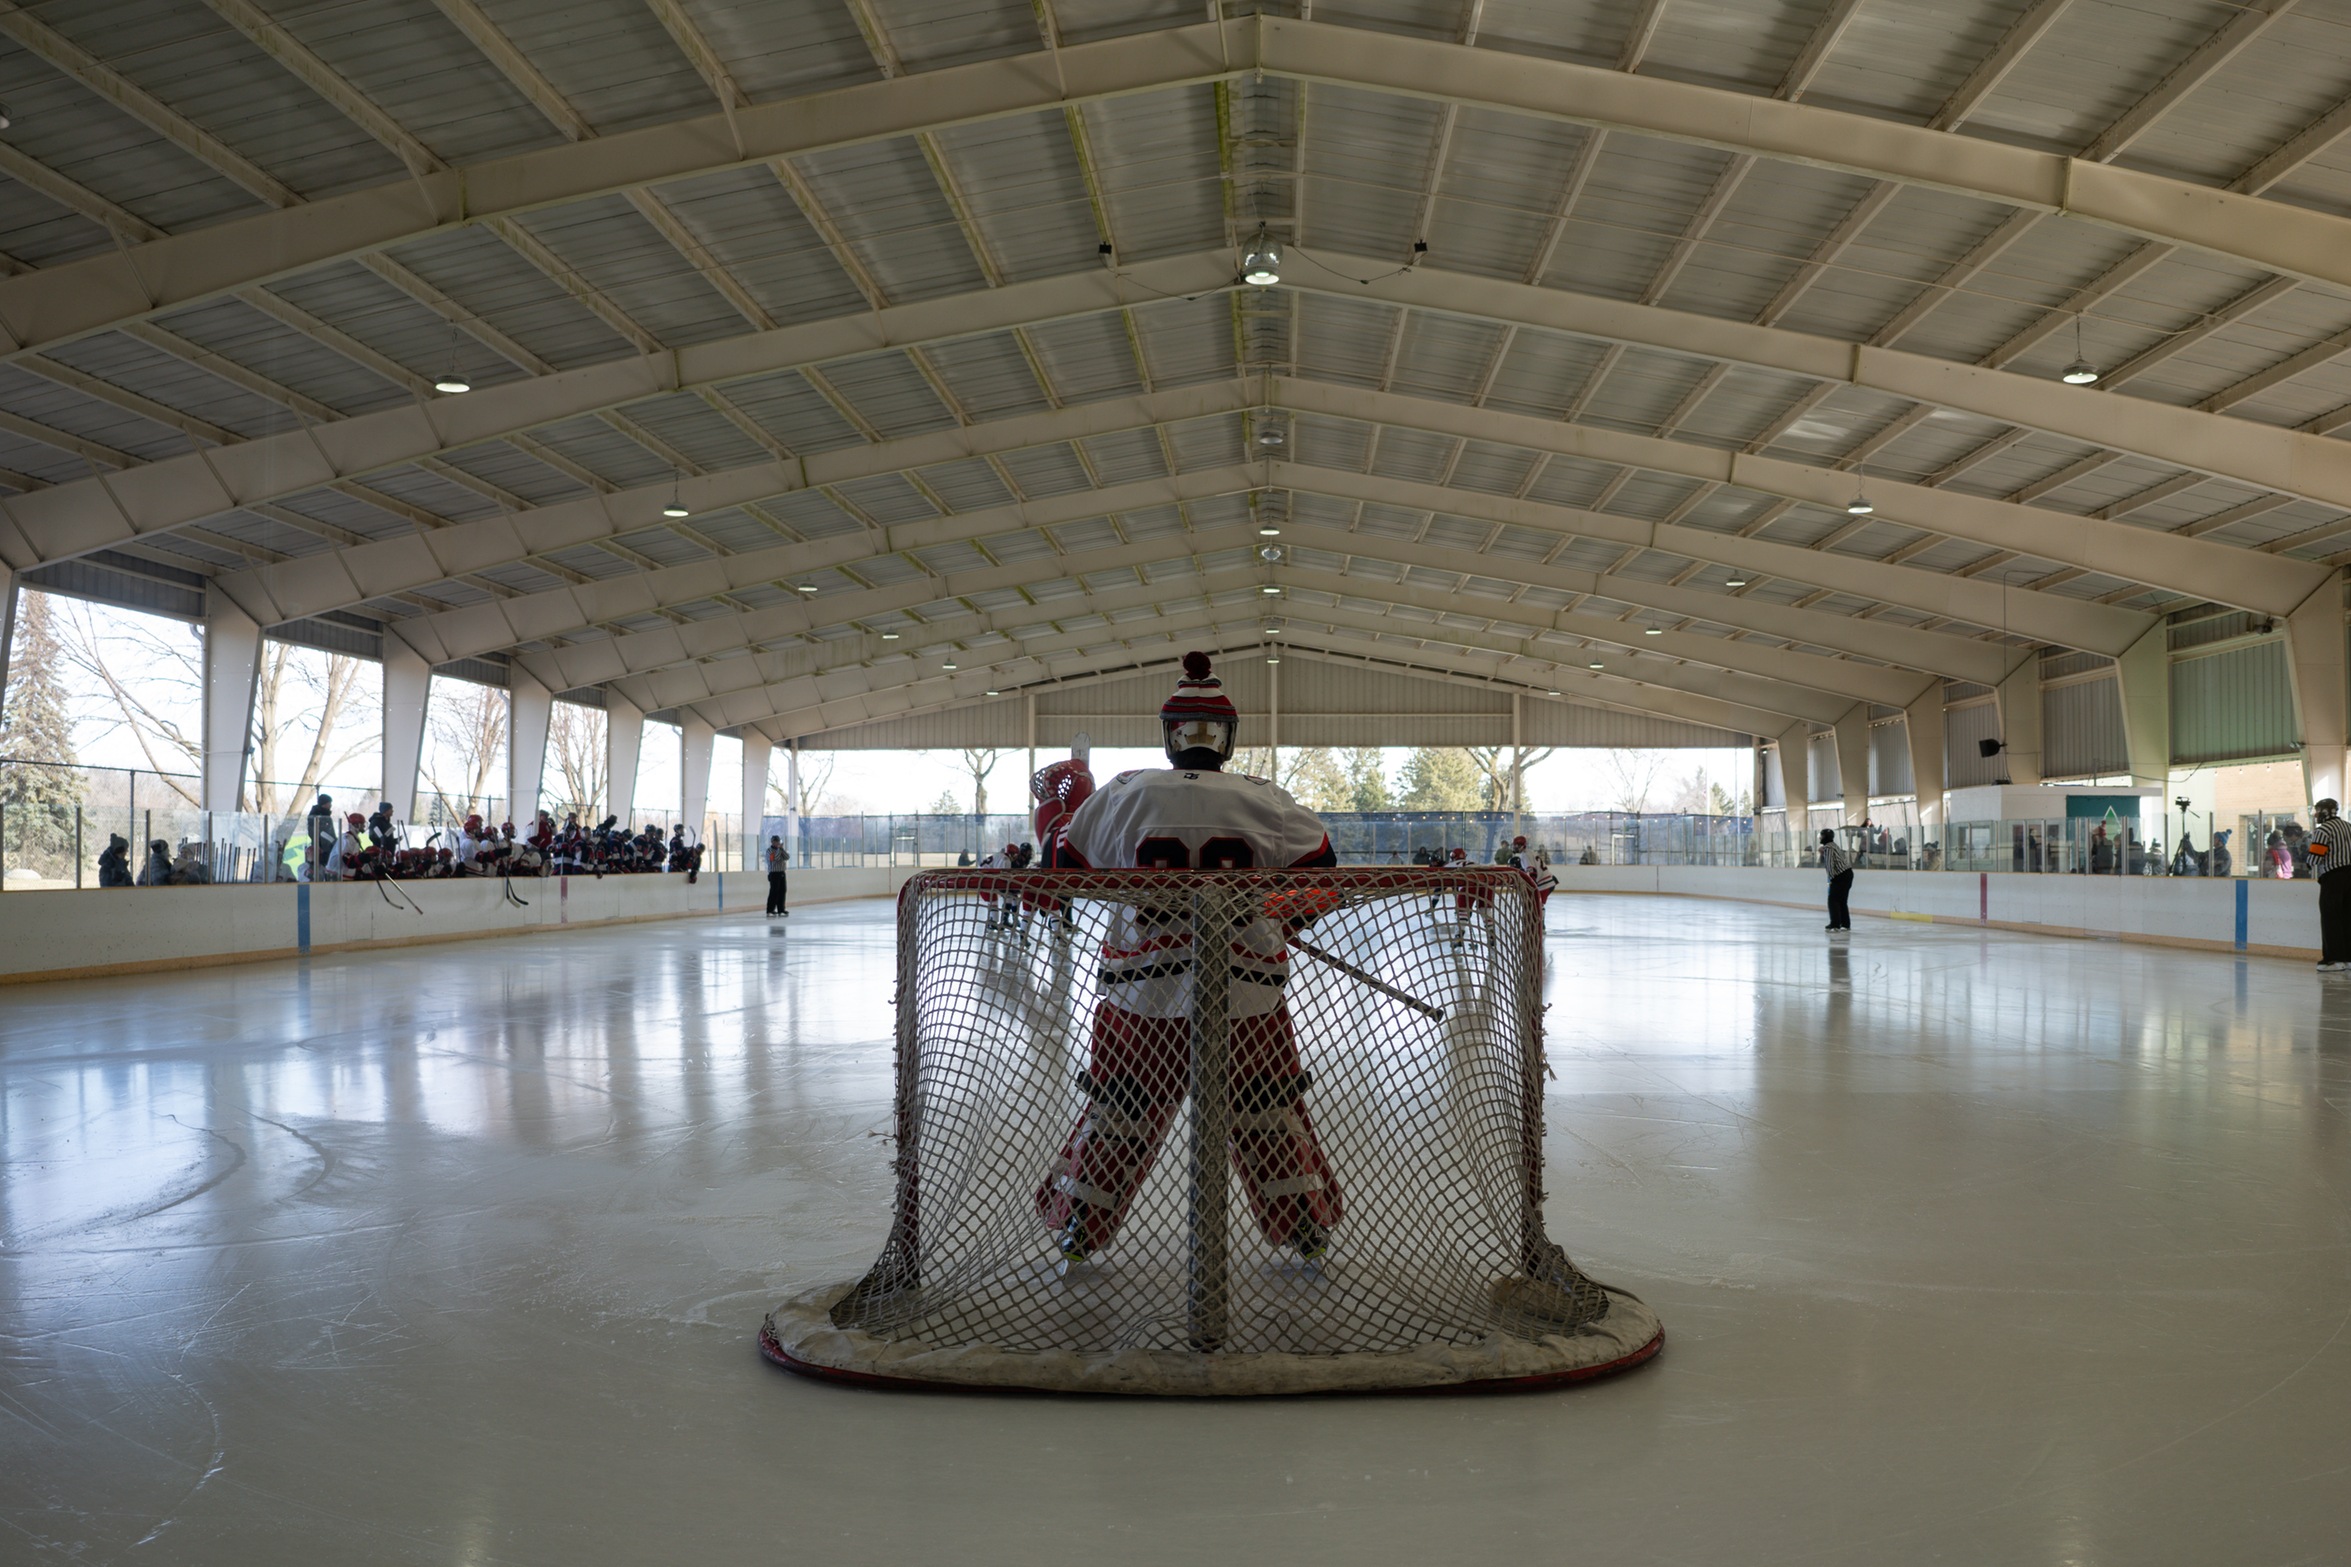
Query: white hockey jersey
1169, 819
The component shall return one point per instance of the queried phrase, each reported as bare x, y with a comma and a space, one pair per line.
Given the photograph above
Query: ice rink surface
1971, 1248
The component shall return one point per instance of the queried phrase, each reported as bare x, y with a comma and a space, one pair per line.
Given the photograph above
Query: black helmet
1828, 835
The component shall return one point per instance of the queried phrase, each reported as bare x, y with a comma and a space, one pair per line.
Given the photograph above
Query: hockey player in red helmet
1192, 815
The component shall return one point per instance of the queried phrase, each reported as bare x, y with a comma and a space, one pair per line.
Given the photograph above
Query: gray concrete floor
1970, 1247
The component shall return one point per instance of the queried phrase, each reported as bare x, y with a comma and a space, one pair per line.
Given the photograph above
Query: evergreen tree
39, 786
1442, 778
1367, 780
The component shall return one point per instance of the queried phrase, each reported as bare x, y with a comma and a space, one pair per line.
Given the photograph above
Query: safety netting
1312, 1162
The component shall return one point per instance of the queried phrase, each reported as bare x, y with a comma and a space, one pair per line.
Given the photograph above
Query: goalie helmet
1198, 718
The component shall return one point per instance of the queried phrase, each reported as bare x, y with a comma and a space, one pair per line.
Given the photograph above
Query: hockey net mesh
1094, 1154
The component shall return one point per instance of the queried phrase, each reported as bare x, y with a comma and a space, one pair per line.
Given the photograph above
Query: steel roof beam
76, 518
270, 592
566, 611
321, 583
1520, 628
108, 83
2264, 456
94, 293
1119, 652
2067, 622
1534, 678
684, 658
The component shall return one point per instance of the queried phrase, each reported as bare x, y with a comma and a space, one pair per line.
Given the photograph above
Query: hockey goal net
1314, 1166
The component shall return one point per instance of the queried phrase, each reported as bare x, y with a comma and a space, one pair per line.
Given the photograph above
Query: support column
2322, 688
1273, 708
8, 592
1789, 746
792, 799
694, 742
1852, 729
2020, 721
408, 682
624, 737
758, 751
232, 664
2145, 672
530, 709
1922, 723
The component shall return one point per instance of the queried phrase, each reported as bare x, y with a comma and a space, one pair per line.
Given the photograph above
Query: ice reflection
417, 1253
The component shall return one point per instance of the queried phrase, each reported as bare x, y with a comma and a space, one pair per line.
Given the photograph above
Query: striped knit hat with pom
1198, 695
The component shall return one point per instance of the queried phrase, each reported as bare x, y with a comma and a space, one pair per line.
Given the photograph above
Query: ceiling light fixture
1271, 553
1653, 631
1261, 263
808, 587
2081, 372
1269, 588
452, 383
995, 693
950, 666
1594, 664
1266, 530
1859, 505
4, 120
889, 636
1734, 582
676, 507
1553, 693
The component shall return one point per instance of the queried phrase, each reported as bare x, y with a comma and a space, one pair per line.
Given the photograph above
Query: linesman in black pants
1839, 865
2330, 859
777, 858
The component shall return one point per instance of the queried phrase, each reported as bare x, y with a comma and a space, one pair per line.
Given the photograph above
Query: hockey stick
1354, 973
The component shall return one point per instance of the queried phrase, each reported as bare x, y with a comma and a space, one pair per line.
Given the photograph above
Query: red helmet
358, 820
473, 824
1519, 842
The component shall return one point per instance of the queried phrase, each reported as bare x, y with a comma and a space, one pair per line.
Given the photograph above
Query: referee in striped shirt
1839, 865
2330, 850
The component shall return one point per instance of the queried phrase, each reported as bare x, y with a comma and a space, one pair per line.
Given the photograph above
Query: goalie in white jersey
1192, 816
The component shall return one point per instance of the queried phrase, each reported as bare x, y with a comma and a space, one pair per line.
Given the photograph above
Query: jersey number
1217, 854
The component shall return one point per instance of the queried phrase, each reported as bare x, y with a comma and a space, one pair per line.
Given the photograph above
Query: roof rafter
88, 295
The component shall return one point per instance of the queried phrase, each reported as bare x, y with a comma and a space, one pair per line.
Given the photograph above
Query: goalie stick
1380, 985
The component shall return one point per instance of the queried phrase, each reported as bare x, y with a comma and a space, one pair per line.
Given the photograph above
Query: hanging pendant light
676, 506
2081, 372
1261, 263
454, 381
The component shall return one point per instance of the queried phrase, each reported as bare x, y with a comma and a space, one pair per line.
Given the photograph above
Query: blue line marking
2244, 894
302, 917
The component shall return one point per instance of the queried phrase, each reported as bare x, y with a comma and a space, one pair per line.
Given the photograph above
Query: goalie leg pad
1133, 1085
1282, 1164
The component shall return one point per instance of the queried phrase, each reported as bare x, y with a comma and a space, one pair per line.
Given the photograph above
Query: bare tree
815, 773
468, 724
979, 761
327, 696
575, 739
142, 677
1504, 768
1632, 774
